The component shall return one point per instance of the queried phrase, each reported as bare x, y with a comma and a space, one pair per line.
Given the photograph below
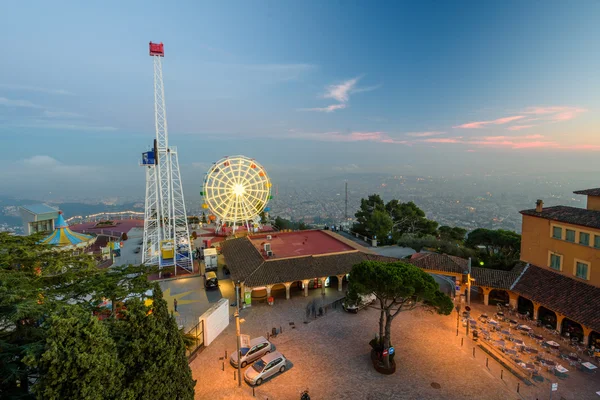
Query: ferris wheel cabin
157, 49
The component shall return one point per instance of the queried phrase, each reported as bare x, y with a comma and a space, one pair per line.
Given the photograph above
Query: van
210, 280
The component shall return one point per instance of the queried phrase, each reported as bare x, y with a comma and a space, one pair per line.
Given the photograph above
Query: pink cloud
327, 109
482, 124
532, 145
519, 127
497, 138
378, 137
443, 140
556, 113
532, 137
424, 134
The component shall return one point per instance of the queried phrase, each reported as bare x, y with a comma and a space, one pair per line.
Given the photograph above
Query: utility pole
346, 204
237, 332
469, 284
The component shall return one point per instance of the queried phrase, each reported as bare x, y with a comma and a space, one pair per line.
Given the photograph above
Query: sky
305, 87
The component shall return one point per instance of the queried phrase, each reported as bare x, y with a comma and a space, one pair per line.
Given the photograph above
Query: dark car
211, 281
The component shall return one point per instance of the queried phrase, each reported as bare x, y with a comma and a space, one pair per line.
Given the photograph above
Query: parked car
258, 347
264, 368
137, 250
211, 281
362, 302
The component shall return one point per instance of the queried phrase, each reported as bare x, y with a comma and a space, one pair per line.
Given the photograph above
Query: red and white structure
166, 236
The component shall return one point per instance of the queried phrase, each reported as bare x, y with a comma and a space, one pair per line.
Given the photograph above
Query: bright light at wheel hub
239, 189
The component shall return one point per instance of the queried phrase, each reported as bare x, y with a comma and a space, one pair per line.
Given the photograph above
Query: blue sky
342, 85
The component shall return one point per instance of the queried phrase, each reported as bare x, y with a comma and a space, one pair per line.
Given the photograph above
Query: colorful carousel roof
65, 238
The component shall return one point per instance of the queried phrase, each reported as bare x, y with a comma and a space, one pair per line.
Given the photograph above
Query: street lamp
237, 332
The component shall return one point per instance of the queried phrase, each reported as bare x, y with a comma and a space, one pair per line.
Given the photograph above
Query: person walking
175, 304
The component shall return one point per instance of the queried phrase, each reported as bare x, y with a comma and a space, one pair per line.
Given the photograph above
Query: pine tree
153, 352
79, 359
34, 282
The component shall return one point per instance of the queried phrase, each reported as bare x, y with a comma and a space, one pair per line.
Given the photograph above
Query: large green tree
153, 352
376, 218
409, 218
452, 233
398, 287
501, 248
79, 359
35, 281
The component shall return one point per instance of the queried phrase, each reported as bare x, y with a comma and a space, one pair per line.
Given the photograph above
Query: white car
258, 347
363, 301
264, 368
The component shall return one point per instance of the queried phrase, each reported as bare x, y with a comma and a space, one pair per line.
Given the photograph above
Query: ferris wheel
237, 189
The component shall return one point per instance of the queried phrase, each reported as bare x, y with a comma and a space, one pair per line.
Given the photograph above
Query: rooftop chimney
539, 206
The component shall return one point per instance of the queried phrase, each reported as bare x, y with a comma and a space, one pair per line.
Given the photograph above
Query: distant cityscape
466, 201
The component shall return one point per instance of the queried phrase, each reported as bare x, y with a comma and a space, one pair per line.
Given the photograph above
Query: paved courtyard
330, 357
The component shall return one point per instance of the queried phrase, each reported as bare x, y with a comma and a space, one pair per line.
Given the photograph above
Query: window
584, 238
557, 232
597, 241
581, 270
555, 261
570, 236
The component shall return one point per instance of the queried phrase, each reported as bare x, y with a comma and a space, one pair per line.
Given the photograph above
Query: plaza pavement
330, 357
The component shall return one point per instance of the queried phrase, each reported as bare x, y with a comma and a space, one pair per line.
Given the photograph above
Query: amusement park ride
166, 237
237, 189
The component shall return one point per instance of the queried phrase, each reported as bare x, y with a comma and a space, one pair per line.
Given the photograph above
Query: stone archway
548, 317
525, 306
594, 340
498, 296
572, 329
278, 291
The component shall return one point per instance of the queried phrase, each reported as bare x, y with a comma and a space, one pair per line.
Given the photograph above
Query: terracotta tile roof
569, 215
496, 279
441, 262
589, 192
281, 270
573, 298
241, 258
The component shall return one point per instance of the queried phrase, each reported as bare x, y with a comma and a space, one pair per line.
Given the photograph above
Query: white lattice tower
165, 216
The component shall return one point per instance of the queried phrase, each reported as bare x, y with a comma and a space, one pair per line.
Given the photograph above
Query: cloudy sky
302, 86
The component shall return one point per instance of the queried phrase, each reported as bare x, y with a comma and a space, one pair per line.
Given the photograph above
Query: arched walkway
548, 317
525, 306
498, 296
572, 329
278, 291
594, 339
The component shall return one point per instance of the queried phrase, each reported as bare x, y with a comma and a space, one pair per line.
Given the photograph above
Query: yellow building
564, 239
561, 246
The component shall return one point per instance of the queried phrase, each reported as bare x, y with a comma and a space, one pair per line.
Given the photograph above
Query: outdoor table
505, 332
538, 337
561, 369
552, 343
510, 351
548, 362
524, 328
532, 350
492, 322
518, 341
589, 366
484, 315
500, 343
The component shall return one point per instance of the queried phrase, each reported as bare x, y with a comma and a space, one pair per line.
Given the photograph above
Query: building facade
564, 239
38, 218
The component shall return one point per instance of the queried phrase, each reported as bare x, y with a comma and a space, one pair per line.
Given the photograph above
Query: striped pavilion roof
63, 236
